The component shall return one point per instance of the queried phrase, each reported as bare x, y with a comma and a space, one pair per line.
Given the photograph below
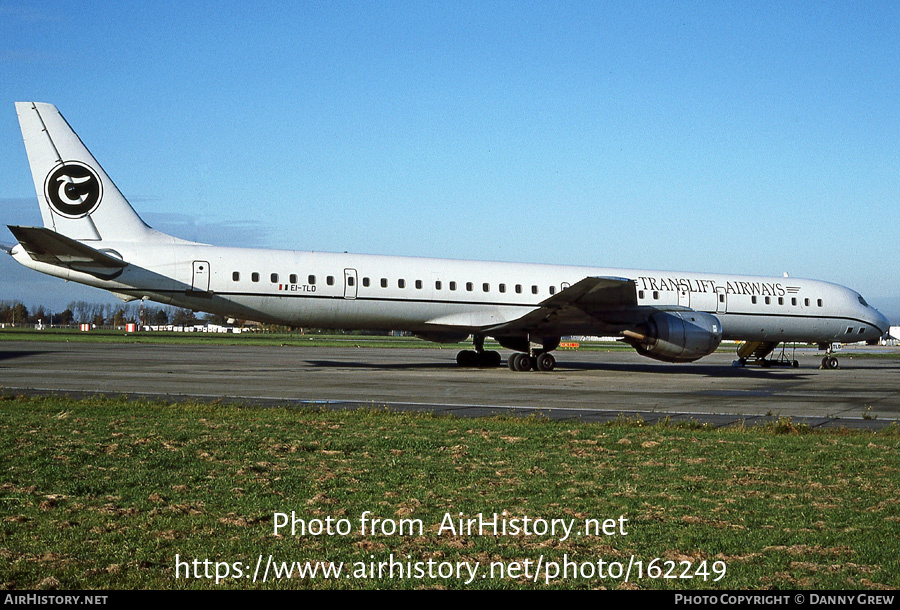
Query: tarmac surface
586, 385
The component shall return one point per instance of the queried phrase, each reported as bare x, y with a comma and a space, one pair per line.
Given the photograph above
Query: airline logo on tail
73, 189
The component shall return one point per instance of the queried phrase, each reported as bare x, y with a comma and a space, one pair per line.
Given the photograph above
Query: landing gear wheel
524, 363
545, 362
519, 362
830, 362
467, 358
795, 364
491, 358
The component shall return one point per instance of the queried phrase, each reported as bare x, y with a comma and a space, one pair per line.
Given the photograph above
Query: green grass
105, 493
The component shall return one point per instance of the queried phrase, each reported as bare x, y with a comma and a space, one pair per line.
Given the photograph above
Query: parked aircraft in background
92, 235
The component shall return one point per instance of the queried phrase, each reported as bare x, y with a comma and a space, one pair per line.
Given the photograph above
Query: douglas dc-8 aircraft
92, 235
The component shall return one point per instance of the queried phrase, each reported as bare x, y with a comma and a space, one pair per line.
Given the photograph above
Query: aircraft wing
50, 247
596, 293
607, 301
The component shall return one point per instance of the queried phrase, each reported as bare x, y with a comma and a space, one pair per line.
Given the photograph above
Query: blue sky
745, 137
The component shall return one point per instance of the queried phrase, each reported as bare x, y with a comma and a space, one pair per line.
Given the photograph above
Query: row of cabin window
753, 299
292, 278
438, 285
486, 287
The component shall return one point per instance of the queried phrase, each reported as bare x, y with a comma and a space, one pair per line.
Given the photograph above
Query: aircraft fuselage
371, 292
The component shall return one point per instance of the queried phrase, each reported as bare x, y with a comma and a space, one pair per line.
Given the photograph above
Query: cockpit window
862, 300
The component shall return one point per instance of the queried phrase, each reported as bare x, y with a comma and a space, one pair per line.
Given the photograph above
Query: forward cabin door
721, 300
200, 279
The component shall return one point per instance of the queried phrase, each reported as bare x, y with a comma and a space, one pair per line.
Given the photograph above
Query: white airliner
92, 235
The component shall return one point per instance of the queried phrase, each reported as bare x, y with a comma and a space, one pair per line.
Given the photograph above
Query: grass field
106, 493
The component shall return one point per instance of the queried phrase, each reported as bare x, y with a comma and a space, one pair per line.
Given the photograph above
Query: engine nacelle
677, 336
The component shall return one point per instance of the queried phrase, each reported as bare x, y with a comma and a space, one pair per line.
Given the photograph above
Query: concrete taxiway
586, 385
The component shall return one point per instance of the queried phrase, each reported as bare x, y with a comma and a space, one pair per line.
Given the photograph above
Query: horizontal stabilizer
50, 247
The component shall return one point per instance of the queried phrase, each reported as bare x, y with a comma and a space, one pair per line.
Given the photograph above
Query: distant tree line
97, 314
106, 315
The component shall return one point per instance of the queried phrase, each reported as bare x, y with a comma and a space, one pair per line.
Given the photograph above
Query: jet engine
677, 336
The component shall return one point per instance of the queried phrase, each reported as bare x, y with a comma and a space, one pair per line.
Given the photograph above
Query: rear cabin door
200, 280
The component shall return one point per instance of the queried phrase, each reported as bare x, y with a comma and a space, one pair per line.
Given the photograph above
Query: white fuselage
423, 295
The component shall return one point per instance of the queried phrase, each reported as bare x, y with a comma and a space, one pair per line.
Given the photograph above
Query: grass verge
106, 493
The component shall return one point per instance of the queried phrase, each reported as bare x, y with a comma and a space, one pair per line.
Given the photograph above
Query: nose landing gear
829, 361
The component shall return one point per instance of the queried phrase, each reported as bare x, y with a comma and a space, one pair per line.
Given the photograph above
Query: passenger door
200, 278
721, 300
350, 284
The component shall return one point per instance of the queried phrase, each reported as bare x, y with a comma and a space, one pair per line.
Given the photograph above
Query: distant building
893, 336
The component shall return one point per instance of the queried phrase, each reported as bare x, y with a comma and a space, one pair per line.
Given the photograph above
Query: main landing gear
479, 357
523, 362
528, 356
482, 359
532, 353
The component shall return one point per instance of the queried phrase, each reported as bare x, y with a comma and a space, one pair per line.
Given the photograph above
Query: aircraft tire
830, 362
467, 358
491, 359
545, 362
520, 362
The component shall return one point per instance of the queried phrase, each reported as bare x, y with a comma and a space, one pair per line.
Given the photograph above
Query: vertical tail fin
76, 196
